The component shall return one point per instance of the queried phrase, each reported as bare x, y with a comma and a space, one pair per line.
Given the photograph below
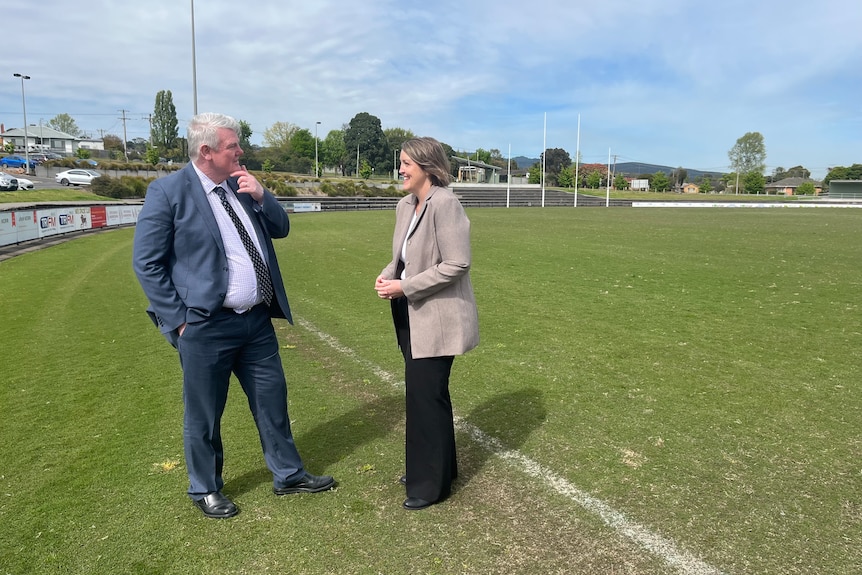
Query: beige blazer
441, 306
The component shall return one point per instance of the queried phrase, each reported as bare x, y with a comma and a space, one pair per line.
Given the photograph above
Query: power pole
150, 118
125, 148
614, 173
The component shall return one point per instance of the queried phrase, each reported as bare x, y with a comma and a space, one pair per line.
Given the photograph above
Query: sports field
656, 391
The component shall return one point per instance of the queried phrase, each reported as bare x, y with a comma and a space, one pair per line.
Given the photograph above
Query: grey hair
429, 155
203, 131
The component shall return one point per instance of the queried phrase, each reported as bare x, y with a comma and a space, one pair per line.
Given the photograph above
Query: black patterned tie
264, 281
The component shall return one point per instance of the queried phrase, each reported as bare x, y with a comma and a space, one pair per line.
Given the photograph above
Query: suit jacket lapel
199, 197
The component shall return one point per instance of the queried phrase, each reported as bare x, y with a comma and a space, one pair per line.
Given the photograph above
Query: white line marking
656, 544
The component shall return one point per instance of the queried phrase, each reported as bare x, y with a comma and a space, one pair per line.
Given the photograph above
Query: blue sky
672, 82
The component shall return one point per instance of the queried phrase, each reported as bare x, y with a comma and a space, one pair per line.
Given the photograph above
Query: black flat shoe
216, 506
308, 483
415, 504
403, 480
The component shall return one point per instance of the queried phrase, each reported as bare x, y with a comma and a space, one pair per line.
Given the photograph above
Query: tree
498, 160
481, 155
555, 160
152, 155
534, 175
594, 179
64, 123
333, 152
806, 189
279, 134
705, 185
621, 183
749, 153
112, 143
364, 134
396, 138
753, 183
679, 177
854, 172
660, 182
302, 144
245, 135
165, 123
794, 172
566, 177
137, 147
302, 147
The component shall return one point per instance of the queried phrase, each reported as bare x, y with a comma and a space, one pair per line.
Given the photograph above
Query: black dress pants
430, 438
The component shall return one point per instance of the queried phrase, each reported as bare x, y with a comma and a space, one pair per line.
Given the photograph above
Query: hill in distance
630, 168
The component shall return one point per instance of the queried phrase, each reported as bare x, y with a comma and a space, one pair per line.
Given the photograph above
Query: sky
669, 82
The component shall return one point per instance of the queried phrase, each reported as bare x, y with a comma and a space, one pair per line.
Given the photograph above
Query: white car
8, 182
24, 183
76, 177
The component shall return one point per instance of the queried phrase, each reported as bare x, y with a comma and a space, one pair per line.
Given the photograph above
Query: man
203, 254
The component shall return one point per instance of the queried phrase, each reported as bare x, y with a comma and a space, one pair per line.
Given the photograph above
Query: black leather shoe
308, 483
403, 480
216, 506
415, 504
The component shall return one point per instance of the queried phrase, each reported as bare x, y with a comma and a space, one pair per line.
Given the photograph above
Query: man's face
223, 161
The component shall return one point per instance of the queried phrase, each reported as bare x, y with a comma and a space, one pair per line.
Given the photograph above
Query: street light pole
194, 64
316, 174
24, 106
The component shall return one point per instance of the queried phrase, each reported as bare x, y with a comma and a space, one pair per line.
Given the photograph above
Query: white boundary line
660, 546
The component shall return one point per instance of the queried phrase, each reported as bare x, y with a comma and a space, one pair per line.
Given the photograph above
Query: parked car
76, 177
15, 162
24, 183
87, 163
8, 183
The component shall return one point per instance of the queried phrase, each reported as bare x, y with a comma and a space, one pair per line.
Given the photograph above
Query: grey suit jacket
179, 255
441, 306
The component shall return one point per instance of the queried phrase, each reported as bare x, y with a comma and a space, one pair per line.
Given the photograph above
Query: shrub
123, 187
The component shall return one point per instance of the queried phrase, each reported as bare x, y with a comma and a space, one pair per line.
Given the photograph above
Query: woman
434, 311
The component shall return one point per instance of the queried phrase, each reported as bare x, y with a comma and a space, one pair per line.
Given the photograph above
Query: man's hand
248, 184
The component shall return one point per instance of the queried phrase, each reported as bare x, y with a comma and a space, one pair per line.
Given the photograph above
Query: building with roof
788, 186
845, 189
476, 172
45, 139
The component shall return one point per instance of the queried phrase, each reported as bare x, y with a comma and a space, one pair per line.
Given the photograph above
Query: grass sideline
695, 369
73, 194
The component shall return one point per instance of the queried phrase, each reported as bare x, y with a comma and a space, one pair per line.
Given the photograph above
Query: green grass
695, 369
52, 195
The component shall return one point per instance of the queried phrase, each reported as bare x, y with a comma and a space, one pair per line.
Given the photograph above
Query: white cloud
669, 81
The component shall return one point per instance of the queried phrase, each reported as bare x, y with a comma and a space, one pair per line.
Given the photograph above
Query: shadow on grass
509, 418
333, 440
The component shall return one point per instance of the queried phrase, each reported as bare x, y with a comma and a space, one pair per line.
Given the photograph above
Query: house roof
38, 132
466, 161
792, 183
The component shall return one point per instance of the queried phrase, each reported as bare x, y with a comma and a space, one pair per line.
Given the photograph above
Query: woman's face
415, 178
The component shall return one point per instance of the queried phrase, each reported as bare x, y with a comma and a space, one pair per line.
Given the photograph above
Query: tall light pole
194, 65
316, 174
24, 105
